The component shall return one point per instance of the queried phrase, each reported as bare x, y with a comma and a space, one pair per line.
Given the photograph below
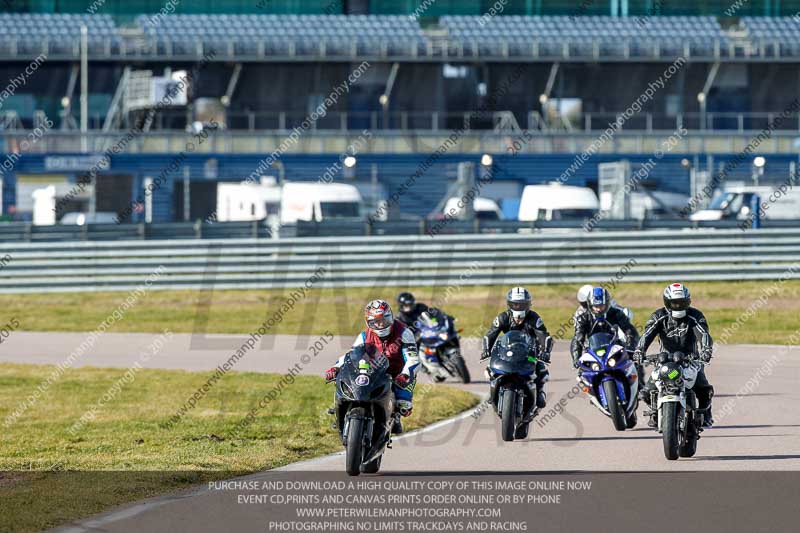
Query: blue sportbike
608, 375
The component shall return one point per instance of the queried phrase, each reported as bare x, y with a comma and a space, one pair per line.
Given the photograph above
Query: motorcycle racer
679, 327
409, 310
601, 317
520, 316
390, 337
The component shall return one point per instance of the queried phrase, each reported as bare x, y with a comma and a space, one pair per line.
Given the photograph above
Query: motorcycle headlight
346, 390
611, 362
377, 393
596, 367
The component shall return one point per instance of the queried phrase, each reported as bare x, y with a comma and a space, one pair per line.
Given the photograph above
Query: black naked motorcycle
512, 387
679, 417
364, 408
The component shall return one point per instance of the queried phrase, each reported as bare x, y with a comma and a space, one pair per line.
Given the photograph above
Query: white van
733, 203
319, 201
557, 202
238, 202
485, 208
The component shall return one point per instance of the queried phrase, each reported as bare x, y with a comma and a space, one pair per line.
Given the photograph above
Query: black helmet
406, 301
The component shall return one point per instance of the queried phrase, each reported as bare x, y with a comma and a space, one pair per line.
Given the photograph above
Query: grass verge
50, 477
339, 310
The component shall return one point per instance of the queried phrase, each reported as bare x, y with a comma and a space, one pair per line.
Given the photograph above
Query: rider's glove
705, 357
638, 357
576, 363
484, 355
402, 381
330, 374
545, 357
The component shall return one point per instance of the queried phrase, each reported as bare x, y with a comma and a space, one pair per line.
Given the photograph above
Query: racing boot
541, 399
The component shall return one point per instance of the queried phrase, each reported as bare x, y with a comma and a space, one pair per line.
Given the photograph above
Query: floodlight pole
84, 87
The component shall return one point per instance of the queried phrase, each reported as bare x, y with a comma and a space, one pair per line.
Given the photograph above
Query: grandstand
258, 70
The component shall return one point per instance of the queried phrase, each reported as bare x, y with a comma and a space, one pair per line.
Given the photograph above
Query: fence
573, 257
258, 229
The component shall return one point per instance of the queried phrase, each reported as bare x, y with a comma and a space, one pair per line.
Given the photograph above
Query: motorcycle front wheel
508, 423
461, 368
669, 413
614, 407
355, 442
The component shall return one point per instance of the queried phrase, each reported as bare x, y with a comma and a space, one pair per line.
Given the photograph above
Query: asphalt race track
761, 430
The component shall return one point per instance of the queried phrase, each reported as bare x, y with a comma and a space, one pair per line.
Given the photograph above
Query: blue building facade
205, 170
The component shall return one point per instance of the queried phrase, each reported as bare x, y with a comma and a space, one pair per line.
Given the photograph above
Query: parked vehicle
608, 375
439, 348
657, 205
485, 208
364, 408
557, 202
512, 387
80, 219
319, 201
734, 203
679, 419
248, 201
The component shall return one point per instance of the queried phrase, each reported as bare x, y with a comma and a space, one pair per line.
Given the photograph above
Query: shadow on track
746, 457
755, 426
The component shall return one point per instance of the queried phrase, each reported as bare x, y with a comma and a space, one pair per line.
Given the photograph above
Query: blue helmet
599, 302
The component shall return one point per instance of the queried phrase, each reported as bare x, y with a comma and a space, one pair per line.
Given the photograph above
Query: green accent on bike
673, 374
363, 365
532, 359
601, 352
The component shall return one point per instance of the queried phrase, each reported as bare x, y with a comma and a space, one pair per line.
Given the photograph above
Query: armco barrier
503, 259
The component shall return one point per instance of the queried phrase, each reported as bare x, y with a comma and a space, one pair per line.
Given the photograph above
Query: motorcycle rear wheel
373, 466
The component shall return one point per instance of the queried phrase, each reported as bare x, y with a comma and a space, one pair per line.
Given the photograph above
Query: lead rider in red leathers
390, 337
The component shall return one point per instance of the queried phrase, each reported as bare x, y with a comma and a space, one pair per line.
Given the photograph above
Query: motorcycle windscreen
433, 334
514, 353
364, 376
598, 343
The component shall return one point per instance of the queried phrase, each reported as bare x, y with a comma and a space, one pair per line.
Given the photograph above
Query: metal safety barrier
446, 260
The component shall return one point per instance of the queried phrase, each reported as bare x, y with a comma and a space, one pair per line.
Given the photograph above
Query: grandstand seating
60, 31
389, 35
583, 34
781, 31
337, 33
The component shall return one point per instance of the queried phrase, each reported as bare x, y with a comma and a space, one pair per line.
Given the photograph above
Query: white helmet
677, 300
379, 317
519, 302
583, 294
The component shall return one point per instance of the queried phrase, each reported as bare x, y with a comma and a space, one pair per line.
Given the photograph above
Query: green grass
127, 453
339, 310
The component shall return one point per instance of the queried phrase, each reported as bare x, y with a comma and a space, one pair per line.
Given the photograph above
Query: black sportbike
365, 410
512, 375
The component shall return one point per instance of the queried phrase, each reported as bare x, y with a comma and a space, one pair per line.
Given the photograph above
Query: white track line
94, 524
